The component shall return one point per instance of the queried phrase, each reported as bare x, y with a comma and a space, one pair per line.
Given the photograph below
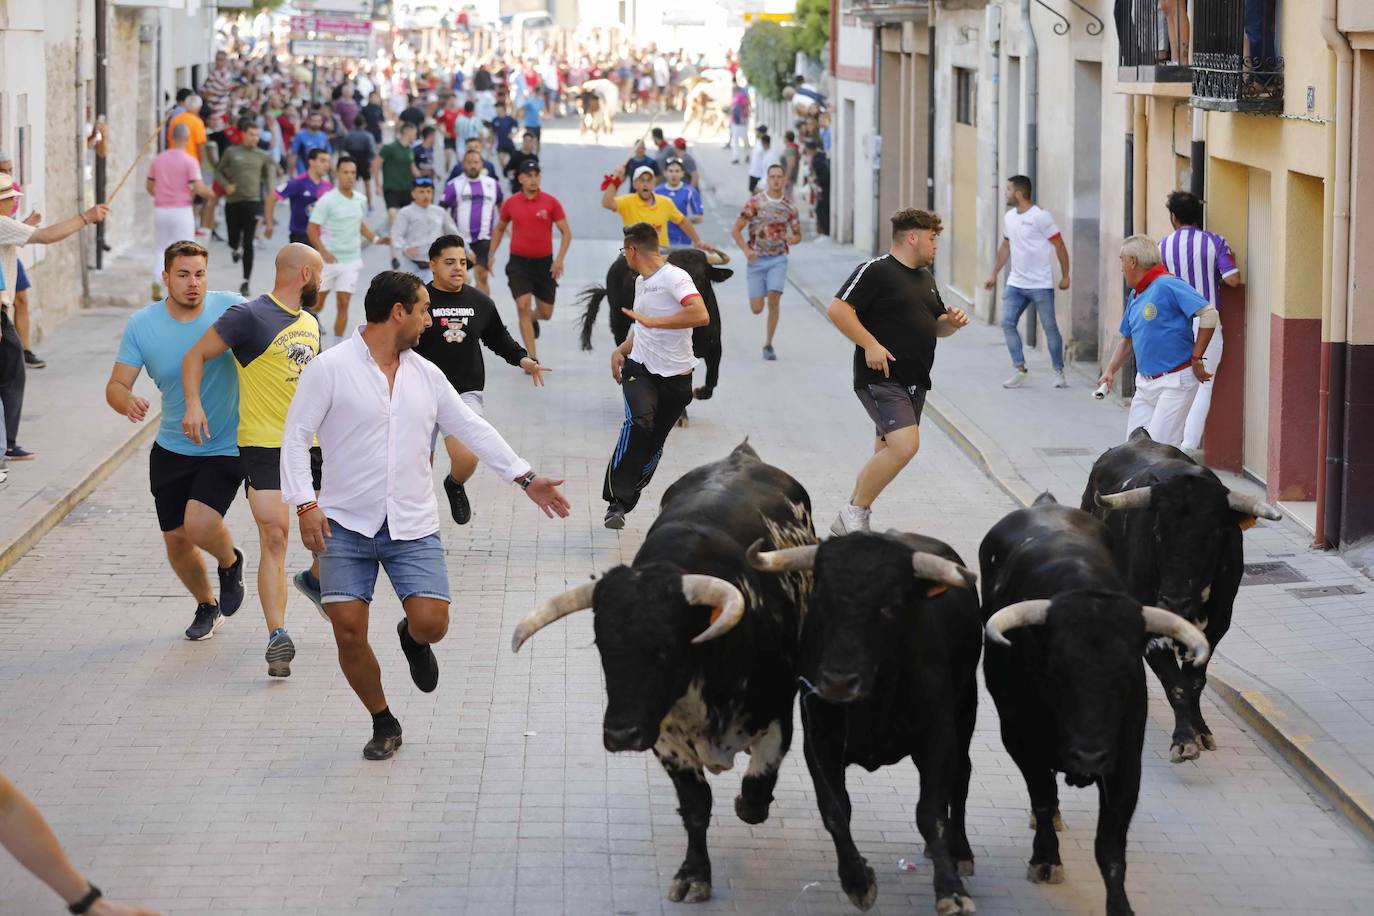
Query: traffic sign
320, 47
338, 26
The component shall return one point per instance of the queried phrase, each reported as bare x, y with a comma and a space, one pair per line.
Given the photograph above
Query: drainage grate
1325, 591
1277, 573
1066, 452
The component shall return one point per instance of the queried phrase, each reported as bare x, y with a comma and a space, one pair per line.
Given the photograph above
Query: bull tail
591, 306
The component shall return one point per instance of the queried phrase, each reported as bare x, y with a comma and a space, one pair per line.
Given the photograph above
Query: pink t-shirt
172, 172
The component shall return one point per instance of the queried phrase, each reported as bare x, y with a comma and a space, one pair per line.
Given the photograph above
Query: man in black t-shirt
890, 308
463, 315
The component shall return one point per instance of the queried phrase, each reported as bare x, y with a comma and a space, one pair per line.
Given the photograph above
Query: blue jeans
766, 274
1015, 301
348, 566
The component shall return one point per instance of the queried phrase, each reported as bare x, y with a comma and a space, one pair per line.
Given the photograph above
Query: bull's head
1092, 642
1192, 514
646, 620
865, 588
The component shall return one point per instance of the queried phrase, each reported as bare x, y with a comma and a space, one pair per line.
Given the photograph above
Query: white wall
853, 180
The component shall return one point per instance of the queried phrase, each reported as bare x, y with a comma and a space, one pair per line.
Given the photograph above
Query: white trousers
1161, 405
171, 224
739, 141
1197, 414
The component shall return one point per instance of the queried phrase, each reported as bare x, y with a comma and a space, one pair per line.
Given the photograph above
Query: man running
336, 227
653, 368
519, 159
193, 484
462, 317
246, 172
272, 338
642, 205
474, 199
532, 270
398, 176
303, 191
173, 181
686, 197
312, 136
773, 225
377, 503
418, 225
890, 307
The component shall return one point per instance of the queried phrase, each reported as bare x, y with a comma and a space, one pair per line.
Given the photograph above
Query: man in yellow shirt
644, 206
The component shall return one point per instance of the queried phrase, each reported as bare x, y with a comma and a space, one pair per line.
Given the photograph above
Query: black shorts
175, 479
302, 237
892, 405
481, 250
531, 275
364, 172
262, 467
450, 143
395, 200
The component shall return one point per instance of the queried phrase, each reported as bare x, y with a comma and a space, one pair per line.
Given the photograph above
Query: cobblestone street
178, 774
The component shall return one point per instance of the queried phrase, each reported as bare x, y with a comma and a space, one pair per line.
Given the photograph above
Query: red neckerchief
1151, 275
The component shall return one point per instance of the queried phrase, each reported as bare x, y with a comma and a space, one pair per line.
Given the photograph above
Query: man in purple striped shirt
1203, 260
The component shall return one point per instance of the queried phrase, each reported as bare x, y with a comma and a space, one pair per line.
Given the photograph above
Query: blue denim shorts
348, 566
767, 274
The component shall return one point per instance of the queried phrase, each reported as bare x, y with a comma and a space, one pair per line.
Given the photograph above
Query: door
849, 167
1255, 456
964, 202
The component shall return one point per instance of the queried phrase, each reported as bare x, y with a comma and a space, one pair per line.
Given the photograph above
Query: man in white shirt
374, 404
1029, 240
418, 224
653, 368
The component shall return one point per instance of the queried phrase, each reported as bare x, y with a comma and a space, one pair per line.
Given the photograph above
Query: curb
15, 549
1283, 726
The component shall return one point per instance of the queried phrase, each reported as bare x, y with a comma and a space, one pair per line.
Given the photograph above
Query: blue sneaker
280, 651
310, 590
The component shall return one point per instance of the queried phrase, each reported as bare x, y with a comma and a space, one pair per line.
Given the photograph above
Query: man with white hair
1158, 328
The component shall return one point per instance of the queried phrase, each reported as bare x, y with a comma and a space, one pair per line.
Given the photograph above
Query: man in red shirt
446, 118
532, 270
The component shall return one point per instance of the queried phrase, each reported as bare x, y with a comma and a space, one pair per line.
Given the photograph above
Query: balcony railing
1236, 62
1153, 48
879, 11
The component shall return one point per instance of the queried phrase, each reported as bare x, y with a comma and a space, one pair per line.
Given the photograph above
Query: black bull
619, 293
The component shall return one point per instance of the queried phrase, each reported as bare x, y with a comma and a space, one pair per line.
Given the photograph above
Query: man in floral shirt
773, 226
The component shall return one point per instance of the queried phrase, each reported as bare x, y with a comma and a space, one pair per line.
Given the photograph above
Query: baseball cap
680, 143
8, 187
529, 165
642, 170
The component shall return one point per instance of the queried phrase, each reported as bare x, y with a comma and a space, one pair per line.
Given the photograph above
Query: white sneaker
1018, 378
851, 518
1059, 380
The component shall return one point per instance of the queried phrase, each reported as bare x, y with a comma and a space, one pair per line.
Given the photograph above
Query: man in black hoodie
462, 316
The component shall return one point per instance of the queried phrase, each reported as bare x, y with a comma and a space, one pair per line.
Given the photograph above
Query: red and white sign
338, 26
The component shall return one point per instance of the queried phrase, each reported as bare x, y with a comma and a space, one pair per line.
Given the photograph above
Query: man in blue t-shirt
533, 108
1157, 328
685, 196
193, 485
311, 136
503, 132
302, 192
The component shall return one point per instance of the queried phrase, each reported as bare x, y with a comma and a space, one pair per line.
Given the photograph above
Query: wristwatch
86, 902
525, 480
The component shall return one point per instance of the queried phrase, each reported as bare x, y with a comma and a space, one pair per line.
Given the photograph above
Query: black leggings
11, 377
241, 220
653, 404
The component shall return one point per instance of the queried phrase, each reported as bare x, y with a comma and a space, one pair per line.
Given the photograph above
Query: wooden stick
129, 171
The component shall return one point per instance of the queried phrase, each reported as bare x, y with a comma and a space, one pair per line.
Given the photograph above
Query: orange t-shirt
195, 126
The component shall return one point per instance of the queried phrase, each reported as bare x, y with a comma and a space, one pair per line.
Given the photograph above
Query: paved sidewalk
1298, 662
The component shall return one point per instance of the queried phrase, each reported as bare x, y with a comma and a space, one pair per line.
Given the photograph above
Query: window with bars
965, 96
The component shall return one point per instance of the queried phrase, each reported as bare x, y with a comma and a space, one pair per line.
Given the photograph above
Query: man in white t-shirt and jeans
653, 368
1029, 240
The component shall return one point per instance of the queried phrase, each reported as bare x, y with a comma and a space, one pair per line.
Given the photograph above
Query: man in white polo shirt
653, 368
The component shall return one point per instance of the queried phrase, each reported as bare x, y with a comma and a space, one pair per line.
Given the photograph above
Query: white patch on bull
765, 753
1206, 593
1159, 642
684, 741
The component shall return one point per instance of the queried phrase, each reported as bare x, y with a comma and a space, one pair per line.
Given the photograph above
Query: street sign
353, 7
337, 26
342, 47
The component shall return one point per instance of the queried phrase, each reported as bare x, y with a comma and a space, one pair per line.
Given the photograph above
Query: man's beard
310, 295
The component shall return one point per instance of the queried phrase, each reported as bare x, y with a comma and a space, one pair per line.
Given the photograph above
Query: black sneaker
243, 288
424, 667
207, 621
396, 265
458, 504
33, 360
234, 253
615, 516
231, 586
19, 453
280, 651
382, 746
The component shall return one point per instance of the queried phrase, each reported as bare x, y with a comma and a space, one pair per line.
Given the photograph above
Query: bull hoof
965, 868
863, 898
1208, 742
955, 905
1058, 821
703, 393
1045, 873
750, 813
1187, 750
689, 890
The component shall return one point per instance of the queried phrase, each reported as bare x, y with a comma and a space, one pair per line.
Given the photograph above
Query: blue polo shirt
688, 200
304, 142
1159, 322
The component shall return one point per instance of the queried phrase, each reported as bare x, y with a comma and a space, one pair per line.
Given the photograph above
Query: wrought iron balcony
1151, 48
1236, 62
878, 11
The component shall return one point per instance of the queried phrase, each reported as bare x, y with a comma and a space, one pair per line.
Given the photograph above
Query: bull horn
715, 257
938, 569
1138, 498
551, 609
714, 593
1020, 614
1252, 505
786, 559
1166, 623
